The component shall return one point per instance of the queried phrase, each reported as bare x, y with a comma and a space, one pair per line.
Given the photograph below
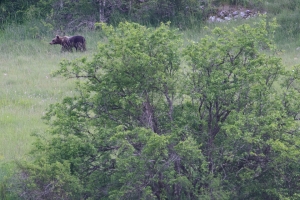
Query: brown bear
68, 43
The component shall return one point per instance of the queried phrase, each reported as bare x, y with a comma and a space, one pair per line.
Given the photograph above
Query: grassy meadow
27, 87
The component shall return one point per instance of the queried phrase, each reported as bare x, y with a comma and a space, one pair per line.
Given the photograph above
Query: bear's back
77, 39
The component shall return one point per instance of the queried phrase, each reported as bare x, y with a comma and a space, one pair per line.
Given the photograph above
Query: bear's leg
63, 49
79, 46
76, 46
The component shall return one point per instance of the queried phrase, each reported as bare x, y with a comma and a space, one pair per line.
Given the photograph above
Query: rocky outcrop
227, 13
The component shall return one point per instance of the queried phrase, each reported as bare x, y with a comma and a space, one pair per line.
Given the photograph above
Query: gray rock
219, 20
242, 14
235, 13
212, 19
227, 15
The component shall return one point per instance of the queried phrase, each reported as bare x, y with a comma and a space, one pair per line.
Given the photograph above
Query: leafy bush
6, 172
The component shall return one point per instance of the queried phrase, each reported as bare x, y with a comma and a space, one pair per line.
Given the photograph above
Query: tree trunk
102, 4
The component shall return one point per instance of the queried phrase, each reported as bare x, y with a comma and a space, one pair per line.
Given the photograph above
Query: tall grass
27, 87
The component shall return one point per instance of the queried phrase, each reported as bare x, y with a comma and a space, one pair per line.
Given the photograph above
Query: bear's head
56, 40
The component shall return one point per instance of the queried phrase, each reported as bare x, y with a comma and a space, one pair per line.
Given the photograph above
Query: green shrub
6, 172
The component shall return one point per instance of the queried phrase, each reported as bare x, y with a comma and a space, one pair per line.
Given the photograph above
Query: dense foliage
216, 119
67, 16
73, 15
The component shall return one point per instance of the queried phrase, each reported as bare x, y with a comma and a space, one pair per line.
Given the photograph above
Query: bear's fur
68, 43
78, 42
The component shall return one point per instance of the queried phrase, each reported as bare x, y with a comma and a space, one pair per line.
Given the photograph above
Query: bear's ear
57, 36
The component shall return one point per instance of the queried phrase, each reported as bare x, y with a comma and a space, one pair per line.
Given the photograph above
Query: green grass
27, 88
